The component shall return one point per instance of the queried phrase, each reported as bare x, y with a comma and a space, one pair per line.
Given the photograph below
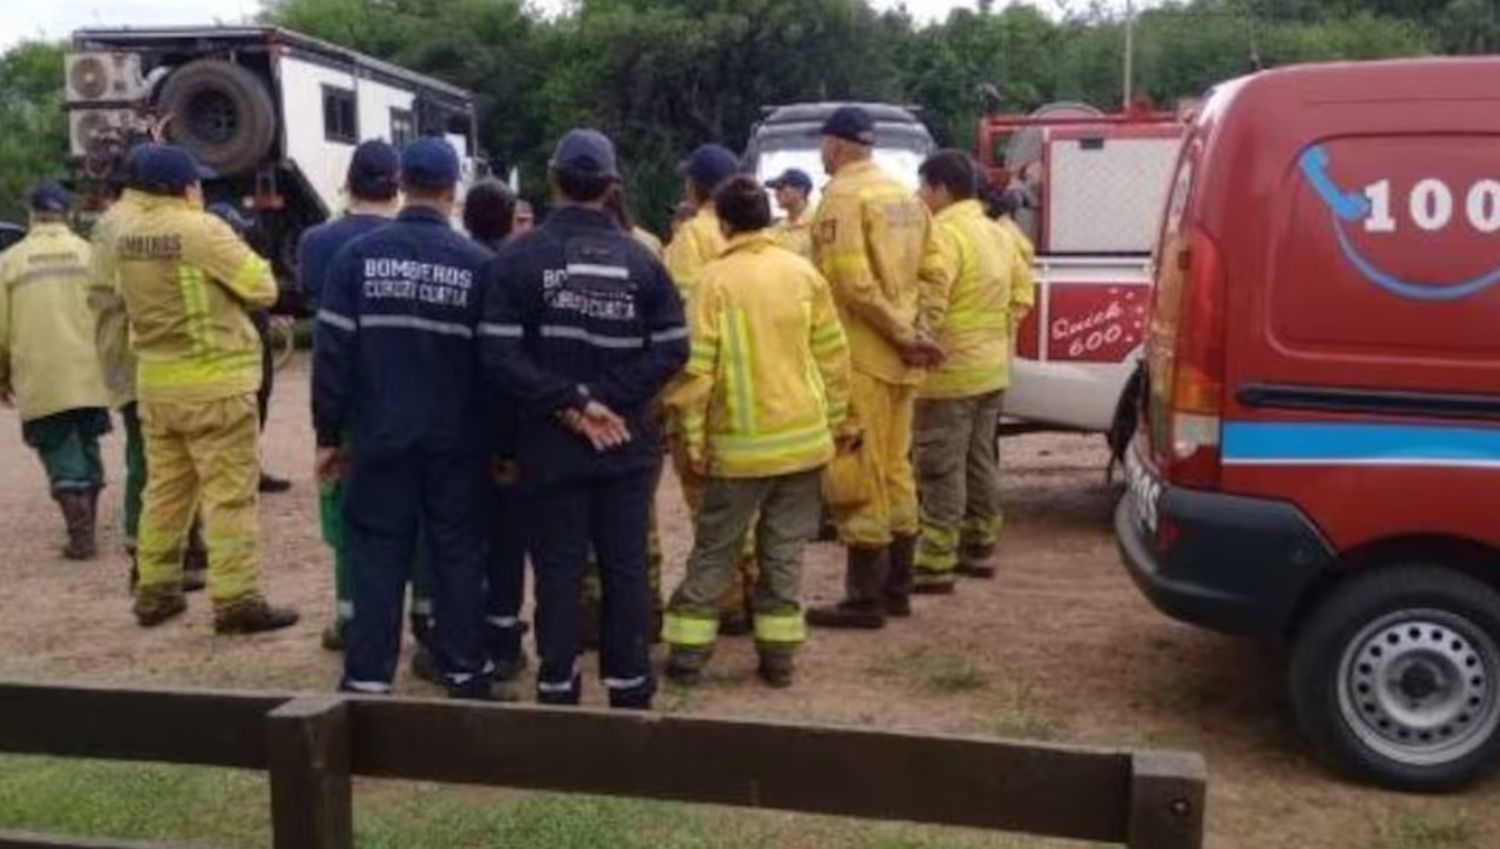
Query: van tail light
1197, 405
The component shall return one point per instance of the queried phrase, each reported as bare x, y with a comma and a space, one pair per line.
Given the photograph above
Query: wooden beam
965, 781
170, 726
26, 840
312, 802
1168, 791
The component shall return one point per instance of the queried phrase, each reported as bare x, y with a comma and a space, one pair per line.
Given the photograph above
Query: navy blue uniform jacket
318, 246
395, 359
578, 309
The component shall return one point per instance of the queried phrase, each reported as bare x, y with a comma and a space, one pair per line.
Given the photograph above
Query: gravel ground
1060, 647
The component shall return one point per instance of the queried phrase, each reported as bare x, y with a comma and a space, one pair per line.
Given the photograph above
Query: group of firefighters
508, 396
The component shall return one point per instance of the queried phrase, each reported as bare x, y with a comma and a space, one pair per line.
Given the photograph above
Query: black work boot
977, 561
685, 665
776, 667
251, 615
155, 605
865, 582
899, 584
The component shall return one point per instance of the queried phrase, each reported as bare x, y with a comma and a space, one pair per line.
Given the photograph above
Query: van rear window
1389, 245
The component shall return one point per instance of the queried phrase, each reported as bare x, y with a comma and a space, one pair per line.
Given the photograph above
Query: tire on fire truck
1395, 677
221, 112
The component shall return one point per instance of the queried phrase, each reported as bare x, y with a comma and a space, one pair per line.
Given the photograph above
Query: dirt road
1060, 647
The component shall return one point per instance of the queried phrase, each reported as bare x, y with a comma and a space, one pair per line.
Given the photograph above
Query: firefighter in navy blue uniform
396, 367
584, 328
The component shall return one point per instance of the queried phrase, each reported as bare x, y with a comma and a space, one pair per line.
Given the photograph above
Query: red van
1319, 454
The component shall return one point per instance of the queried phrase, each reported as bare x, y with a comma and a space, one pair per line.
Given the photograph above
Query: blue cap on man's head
166, 169
710, 165
587, 152
850, 123
794, 178
133, 160
429, 163
49, 196
374, 170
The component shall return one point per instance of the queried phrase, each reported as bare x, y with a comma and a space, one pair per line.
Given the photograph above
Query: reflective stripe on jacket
767, 381
189, 284
46, 330
991, 287
870, 237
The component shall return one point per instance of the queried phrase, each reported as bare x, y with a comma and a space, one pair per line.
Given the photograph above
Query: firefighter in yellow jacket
764, 395
188, 283
698, 242
794, 232
47, 365
871, 238
990, 289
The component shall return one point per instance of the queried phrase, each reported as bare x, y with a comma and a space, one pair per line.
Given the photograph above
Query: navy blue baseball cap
586, 152
374, 170
430, 163
133, 160
166, 169
49, 196
794, 178
710, 165
850, 123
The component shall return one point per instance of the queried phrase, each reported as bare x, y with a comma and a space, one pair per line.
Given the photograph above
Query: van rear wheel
1396, 678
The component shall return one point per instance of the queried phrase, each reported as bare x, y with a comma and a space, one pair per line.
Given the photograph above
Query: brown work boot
79, 518
155, 605
865, 583
899, 582
251, 615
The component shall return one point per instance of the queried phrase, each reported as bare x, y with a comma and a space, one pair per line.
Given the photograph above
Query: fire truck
1093, 187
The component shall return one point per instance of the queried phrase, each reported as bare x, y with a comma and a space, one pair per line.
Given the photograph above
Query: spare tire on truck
221, 112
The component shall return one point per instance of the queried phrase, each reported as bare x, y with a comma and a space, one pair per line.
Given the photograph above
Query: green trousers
331, 520
957, 459
68, 445
135, 471
788, 509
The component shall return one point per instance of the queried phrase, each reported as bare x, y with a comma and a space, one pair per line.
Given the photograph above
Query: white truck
1096, 185
275, 113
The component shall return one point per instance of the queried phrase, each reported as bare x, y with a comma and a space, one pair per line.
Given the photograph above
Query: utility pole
1129, 51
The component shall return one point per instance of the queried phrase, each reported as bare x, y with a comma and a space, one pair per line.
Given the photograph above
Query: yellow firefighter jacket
1023, 241
991, 290
112, 335
871, 237
795, 236
188, 283
698, 242
767, 385
46, 330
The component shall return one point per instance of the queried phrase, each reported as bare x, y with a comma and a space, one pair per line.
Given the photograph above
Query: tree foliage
663, 76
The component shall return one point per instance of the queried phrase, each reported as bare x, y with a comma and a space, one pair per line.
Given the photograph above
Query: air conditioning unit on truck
275, 114
1095, 186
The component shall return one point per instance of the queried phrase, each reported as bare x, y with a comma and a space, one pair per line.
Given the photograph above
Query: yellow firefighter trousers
736, 603
884, 410
202, 456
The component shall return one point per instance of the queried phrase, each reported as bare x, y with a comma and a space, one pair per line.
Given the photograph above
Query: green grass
932, 671
1426, 831
230, 809
1019, 714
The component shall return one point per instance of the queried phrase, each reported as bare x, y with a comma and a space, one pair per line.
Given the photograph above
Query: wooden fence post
312, 801
1167, 795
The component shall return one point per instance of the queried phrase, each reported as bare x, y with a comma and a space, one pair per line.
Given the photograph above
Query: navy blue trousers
389, 498
565, 517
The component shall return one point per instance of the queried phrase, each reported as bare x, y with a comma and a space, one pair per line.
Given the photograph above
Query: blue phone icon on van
1348, 206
